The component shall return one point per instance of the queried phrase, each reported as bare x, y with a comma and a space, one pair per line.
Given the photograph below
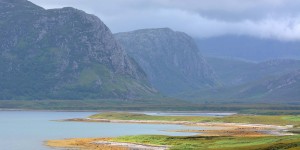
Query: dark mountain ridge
62, 54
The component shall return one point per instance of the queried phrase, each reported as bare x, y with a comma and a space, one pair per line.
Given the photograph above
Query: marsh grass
291, 142
217, 143
251, 119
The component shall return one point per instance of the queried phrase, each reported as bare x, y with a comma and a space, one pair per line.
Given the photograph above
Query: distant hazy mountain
62, 54
171, 59
282, 89
248, 48
232, 72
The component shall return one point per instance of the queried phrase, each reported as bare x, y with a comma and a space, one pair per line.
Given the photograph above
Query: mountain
62, 54
282, 89
171, 59
233, 72
248, 48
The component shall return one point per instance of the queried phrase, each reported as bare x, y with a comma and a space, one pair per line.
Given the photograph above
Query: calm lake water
27, 130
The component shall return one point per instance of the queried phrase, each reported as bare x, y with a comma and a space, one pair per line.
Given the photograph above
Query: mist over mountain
62, 54
171, 59
248, 48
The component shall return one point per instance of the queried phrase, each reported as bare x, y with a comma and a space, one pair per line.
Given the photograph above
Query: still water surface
27, 130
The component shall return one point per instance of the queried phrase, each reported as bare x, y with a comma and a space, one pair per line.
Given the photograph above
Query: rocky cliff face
170, 59
62, 54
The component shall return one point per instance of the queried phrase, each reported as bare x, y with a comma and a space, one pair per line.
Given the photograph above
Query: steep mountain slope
170, 59
62, 54
248, 48
233, 72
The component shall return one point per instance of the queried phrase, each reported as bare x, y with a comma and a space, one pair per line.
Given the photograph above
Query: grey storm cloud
277, 19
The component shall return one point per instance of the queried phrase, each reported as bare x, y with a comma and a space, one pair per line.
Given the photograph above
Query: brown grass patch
82, 144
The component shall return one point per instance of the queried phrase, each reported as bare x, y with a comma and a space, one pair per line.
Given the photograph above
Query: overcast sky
277, 19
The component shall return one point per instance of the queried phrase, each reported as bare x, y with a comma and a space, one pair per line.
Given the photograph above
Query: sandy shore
82, 144
131, 145
100, 144
215, 129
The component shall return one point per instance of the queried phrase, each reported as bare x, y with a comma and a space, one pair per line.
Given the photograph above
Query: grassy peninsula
236, 132
250, 119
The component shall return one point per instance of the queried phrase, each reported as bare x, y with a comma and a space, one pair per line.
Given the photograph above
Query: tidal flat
230, 132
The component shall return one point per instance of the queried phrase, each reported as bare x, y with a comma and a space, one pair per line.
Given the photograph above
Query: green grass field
217, 143
253, 119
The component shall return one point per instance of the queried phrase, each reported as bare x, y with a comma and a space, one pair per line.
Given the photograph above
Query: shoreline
131, 145
215, 130
100, 144
221, 129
